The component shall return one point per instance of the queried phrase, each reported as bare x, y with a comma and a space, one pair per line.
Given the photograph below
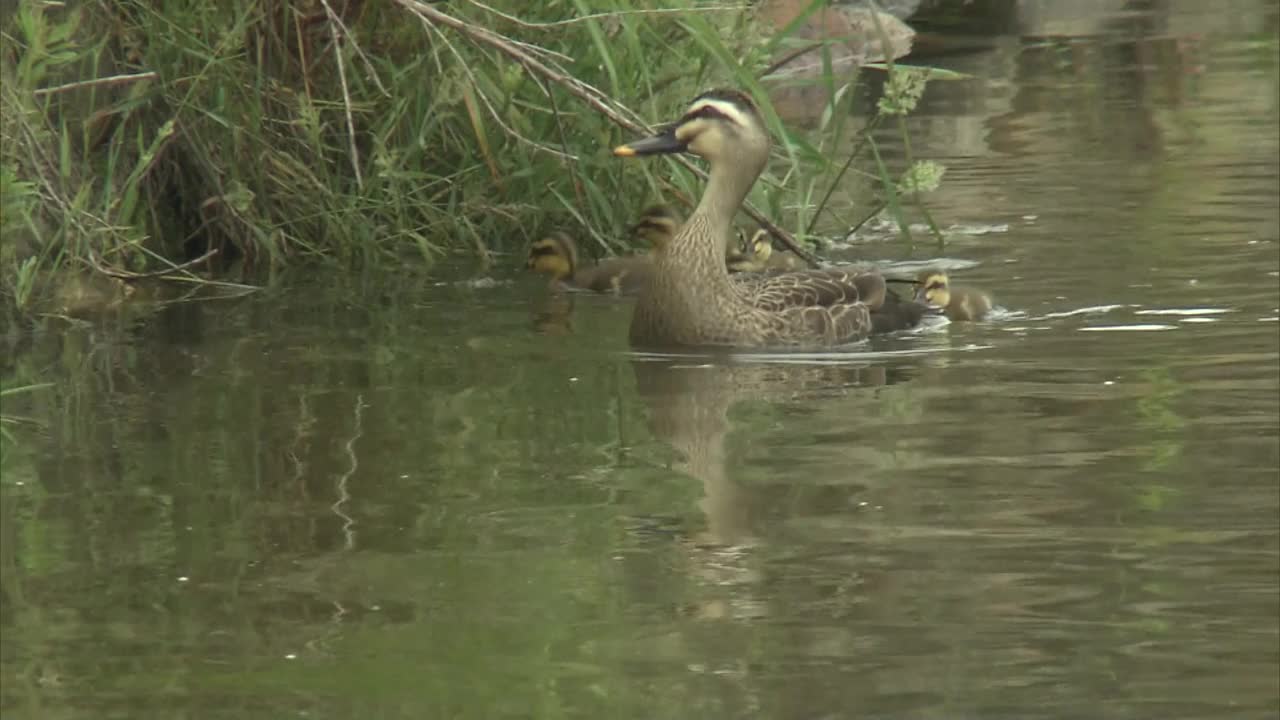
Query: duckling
958, 303
691, 298
657, 225
756, 255
895, 312
557, 255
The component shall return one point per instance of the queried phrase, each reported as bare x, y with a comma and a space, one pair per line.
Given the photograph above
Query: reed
238, 138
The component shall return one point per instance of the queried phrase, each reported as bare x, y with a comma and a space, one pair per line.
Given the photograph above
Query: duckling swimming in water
958, 303
557, 255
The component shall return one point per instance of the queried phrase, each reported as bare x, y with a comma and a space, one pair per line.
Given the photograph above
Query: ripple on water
1091, 310
1136, 327
1185, 311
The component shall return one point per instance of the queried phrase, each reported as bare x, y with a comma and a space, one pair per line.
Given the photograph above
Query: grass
8, 394
253, 136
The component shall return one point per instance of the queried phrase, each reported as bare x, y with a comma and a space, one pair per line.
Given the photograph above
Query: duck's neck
705, 238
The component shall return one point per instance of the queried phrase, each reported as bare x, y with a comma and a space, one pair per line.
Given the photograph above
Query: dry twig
112, 80
346, 103
98, 265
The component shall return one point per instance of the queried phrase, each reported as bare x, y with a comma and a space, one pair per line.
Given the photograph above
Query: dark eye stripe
706, 112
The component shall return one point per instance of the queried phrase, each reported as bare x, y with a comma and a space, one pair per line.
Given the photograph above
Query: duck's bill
663, 143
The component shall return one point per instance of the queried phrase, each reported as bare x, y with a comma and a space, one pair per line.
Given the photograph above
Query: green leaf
931, 73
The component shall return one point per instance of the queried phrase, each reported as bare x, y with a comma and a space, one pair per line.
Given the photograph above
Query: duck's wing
824, 288
823, 326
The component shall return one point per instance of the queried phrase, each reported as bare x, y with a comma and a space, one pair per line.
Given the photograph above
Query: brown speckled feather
811, 288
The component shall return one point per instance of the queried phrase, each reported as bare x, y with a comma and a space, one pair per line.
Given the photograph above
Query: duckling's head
657, 225
753, 255
719, 125
933, 288
761, 246
555, 255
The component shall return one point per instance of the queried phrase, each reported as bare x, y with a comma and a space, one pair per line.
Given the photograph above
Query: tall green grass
141, 133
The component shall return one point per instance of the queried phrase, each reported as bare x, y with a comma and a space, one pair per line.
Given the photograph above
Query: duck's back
815, 308
622, 275
968, 304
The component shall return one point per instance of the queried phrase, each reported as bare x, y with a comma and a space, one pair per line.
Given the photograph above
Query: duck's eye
936, 286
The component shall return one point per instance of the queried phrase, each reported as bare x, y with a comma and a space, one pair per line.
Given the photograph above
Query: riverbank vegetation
239, 138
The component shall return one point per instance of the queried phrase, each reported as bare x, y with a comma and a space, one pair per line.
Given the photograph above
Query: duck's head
657, 225
933, 288
720, 125
555, 255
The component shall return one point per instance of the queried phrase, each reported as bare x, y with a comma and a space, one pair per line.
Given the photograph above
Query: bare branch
597, 16
333, 18
346, 101
489, 105
98, 265
112, 80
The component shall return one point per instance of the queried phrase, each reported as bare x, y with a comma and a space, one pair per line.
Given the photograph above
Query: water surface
383, 497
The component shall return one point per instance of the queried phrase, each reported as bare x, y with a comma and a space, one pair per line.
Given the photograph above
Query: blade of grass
891, 192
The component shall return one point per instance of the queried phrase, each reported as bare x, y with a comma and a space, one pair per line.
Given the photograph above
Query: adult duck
692, 300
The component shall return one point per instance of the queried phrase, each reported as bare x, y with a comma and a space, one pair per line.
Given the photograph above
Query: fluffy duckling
757, 255
891, 312
556, 255
957, 303
657, 225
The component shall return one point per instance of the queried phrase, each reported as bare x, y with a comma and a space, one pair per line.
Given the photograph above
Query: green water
383, 497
